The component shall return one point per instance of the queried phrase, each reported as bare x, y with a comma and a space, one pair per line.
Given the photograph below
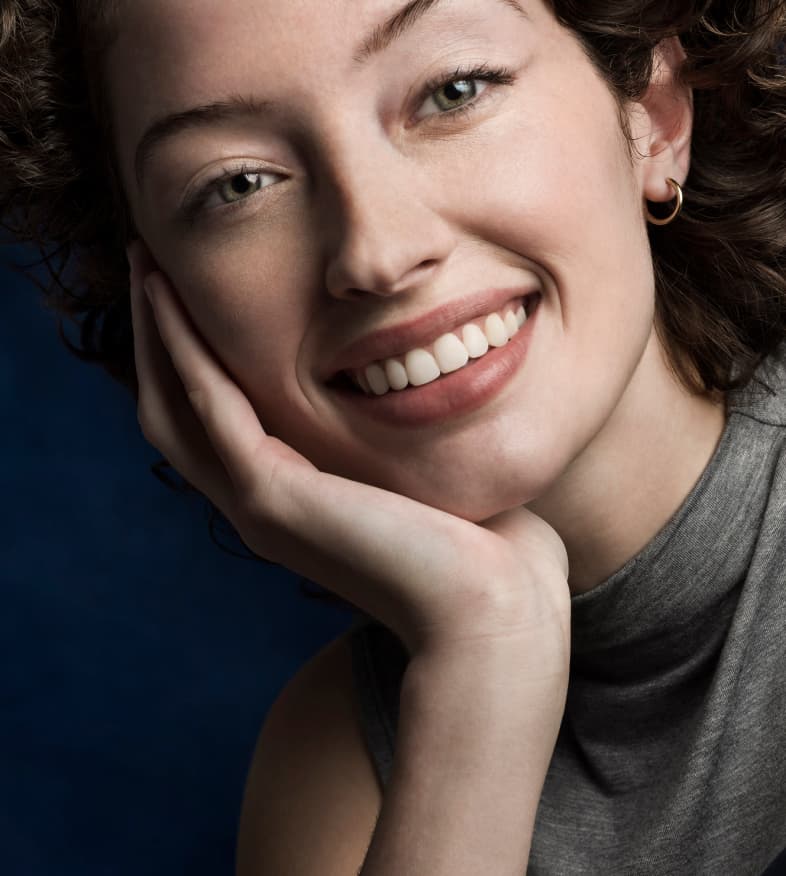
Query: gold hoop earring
677, 210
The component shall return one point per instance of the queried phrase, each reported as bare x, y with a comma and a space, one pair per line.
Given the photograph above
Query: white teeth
450, 353
396, 374
377, 379
421, 367
474, 340
511, 324
495, 330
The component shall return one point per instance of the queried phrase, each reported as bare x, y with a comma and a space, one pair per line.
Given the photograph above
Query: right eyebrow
234, 107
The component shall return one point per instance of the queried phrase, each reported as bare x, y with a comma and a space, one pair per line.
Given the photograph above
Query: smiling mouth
458, 349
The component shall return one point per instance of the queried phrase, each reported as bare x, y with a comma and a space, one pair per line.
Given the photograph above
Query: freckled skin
385, 210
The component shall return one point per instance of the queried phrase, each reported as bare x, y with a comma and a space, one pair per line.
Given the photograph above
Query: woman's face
354, 202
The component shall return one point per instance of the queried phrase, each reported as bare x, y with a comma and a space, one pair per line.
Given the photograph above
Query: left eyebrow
237, 107
402, 21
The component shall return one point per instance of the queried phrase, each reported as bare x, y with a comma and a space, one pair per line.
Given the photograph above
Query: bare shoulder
312, 797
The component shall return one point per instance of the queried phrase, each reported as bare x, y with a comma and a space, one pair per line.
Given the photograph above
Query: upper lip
422, 330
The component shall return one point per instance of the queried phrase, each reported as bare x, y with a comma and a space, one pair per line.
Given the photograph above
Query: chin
474, 495
474, 507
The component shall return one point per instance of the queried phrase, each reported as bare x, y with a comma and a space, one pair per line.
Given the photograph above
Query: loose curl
720, 269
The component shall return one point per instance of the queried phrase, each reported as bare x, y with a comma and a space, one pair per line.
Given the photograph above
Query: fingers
165, 414
229, 420
158, 382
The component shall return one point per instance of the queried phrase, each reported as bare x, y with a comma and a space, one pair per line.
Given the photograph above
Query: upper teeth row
448, 353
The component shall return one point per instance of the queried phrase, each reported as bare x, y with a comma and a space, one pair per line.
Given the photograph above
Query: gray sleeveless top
671, 757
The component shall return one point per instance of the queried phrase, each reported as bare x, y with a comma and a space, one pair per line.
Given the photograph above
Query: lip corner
454, 395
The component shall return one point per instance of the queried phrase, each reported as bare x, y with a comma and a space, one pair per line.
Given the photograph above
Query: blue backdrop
137, 660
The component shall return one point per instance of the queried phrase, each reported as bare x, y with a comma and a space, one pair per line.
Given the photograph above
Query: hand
433, 578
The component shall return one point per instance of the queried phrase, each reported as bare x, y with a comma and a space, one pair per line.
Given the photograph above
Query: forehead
189, 47
307, 56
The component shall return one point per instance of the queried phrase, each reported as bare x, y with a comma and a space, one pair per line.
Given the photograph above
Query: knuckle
147, 422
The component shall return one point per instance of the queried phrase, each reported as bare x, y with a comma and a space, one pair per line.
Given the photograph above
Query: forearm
472, 752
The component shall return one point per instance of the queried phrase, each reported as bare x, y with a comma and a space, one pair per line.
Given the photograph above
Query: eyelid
193, 203
481, 72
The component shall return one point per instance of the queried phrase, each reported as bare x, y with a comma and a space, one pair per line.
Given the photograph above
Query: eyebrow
233, 107
239, 106
402, 21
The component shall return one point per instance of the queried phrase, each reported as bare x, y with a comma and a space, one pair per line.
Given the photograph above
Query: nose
383, 237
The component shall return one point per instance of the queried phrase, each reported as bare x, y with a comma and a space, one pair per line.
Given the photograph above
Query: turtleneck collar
674, 600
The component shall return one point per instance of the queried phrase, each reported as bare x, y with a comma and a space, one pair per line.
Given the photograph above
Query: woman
415, 303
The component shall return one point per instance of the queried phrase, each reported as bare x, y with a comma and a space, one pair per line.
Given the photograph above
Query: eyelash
480, 72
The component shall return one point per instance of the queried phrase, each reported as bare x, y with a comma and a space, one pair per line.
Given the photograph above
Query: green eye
463, 88
457, 92
239, 186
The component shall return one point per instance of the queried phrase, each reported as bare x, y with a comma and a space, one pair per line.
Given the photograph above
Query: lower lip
452, 395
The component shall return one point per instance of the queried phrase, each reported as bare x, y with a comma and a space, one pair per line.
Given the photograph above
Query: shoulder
312, 797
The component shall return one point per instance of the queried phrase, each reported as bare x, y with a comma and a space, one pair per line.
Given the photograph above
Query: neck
633, 476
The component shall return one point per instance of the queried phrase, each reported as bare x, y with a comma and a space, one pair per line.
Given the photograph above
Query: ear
662, 124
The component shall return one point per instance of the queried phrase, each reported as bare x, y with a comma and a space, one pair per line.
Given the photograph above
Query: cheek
251, 310
545, 190
566, 196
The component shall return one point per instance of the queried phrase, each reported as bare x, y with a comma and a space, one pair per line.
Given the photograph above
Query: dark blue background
137, 660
